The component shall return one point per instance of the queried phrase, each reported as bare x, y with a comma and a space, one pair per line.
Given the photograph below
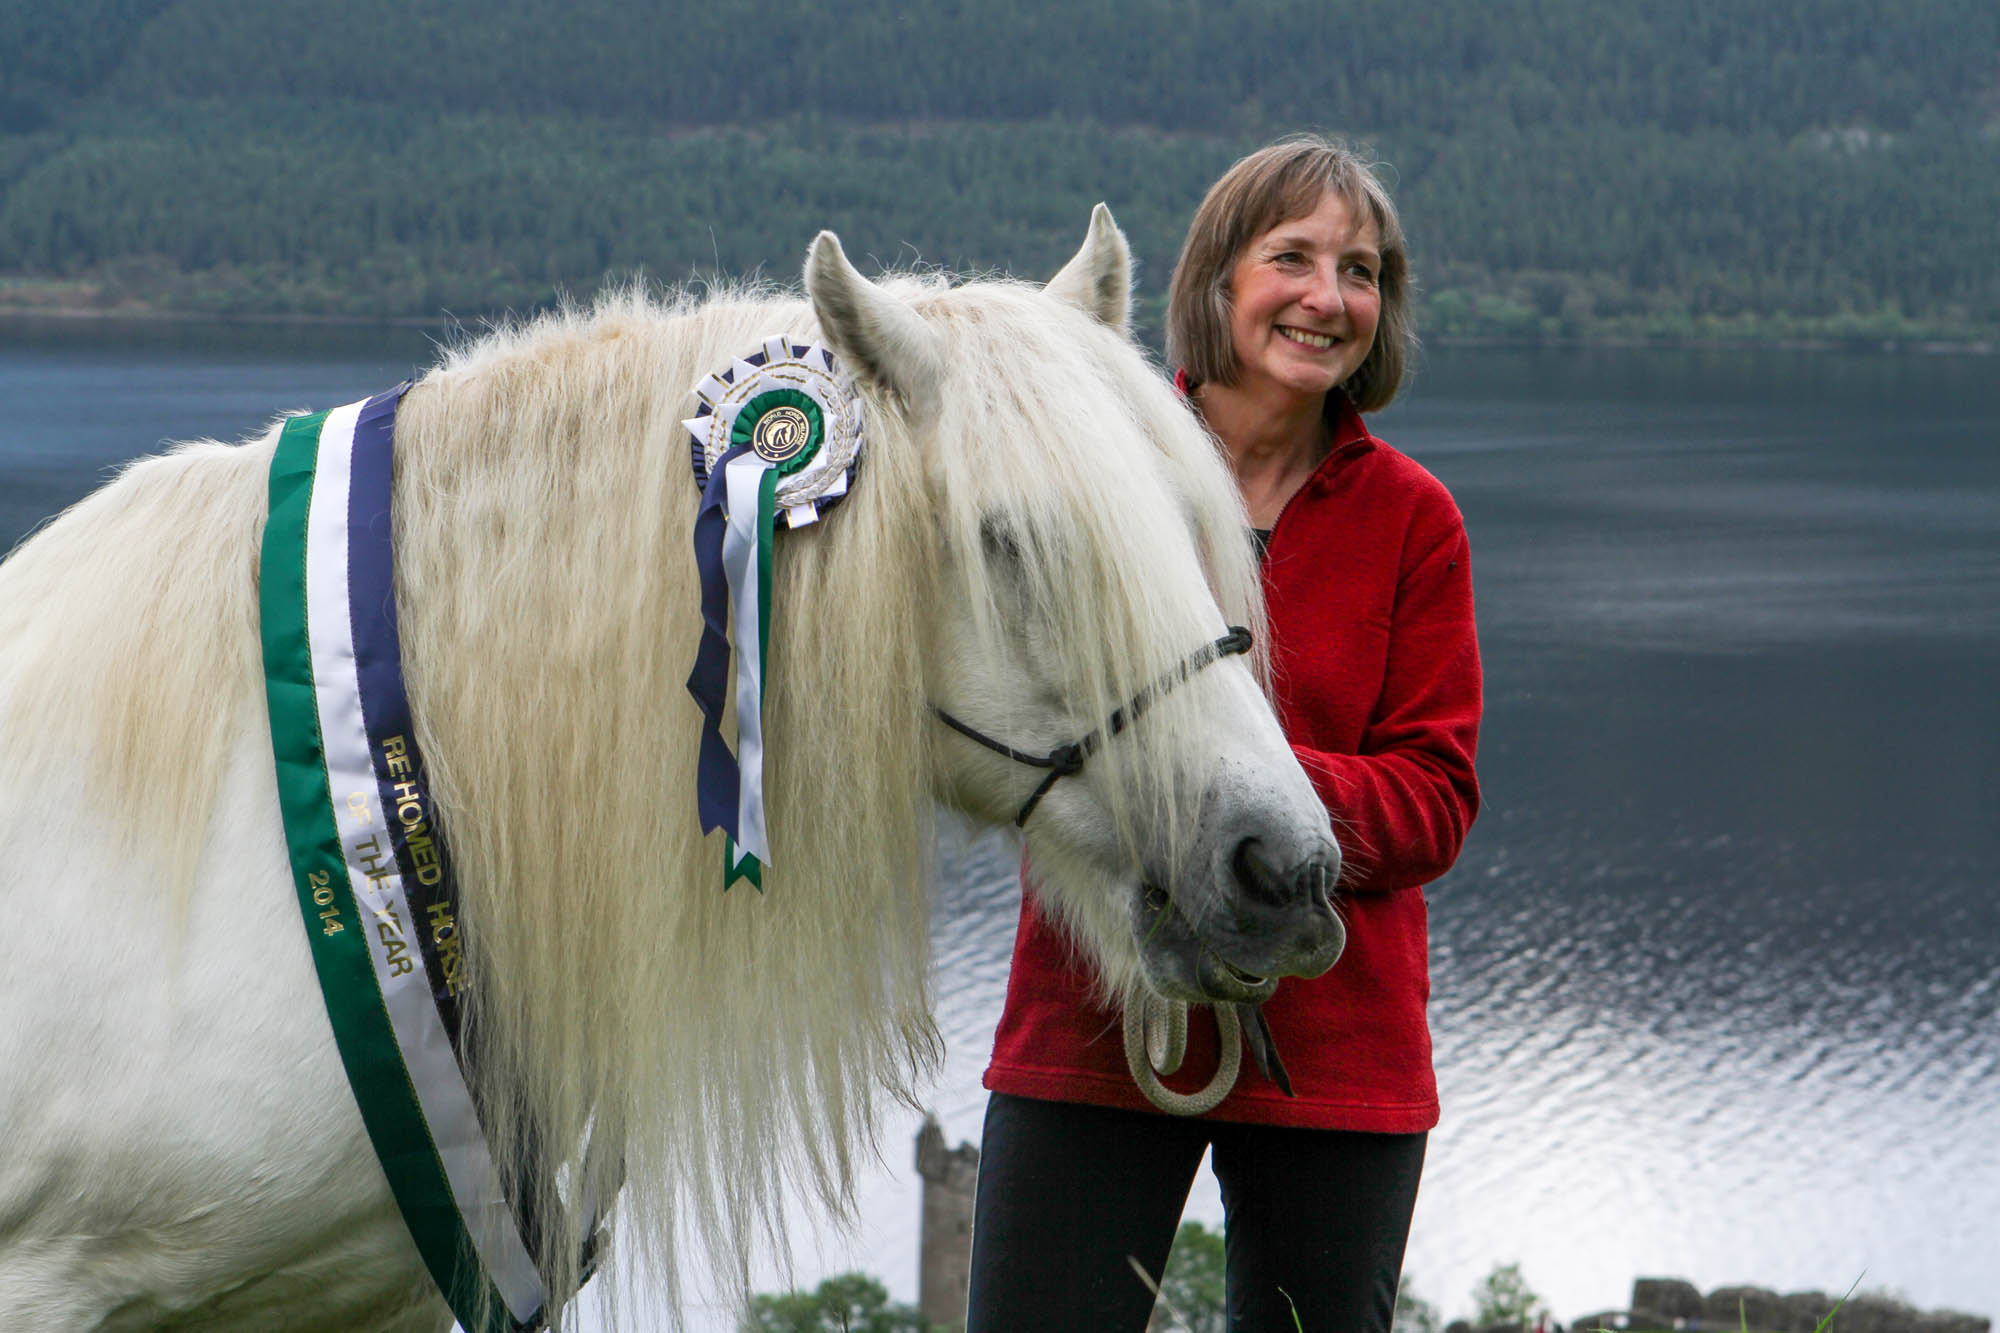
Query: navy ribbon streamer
718, 779
378, 662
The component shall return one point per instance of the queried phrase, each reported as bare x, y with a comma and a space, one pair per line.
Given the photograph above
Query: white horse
1040, 532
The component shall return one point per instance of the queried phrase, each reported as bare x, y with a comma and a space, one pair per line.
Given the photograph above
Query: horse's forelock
1121, 509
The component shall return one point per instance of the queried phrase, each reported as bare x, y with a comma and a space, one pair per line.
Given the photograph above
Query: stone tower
944, 1264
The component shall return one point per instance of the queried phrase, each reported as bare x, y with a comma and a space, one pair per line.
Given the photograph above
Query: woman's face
1305, 299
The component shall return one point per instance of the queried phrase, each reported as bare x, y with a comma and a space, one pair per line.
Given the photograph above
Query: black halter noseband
1067, 759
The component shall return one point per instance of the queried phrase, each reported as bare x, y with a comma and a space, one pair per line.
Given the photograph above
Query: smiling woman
1289, 316
1305, 300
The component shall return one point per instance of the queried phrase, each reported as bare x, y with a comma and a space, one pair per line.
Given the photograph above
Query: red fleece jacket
1376, 671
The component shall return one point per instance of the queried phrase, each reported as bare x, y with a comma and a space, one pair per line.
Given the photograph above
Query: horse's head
1093, 553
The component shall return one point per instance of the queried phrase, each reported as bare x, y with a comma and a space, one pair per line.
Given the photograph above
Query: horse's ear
1098, 280
880, 340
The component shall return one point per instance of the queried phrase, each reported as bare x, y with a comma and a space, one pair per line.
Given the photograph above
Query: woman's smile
1307, 338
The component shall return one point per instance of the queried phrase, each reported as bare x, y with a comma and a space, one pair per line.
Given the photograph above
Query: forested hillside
1576, 168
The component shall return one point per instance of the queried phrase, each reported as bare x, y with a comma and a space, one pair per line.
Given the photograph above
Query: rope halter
1065, 760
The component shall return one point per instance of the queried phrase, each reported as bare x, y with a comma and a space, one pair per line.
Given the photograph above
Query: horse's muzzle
1236, 943
1282, 921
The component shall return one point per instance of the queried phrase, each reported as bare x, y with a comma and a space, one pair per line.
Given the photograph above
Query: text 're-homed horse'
1038, 534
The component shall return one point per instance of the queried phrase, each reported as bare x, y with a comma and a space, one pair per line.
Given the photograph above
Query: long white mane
726, 1046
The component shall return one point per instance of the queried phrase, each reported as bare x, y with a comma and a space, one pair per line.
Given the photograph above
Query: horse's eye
999, 540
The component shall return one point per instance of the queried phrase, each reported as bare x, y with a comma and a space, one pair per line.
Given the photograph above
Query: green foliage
1448, 65
1674, 169
1503, 1296
1191, 1291
56, 49
340, 210
849, 1303
1414, 1314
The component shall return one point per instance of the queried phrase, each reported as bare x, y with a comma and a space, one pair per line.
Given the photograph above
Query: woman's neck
1273, 442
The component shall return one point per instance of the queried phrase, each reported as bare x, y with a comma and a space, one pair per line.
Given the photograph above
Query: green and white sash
372, 879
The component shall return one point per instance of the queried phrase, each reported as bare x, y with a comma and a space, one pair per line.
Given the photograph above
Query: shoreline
144, 314
71, 301
139, 313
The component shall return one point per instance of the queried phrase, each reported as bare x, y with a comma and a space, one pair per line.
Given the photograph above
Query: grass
1161, 1296
1742, 1319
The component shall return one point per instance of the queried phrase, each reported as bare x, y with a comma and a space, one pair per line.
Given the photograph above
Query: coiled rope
1156, 1042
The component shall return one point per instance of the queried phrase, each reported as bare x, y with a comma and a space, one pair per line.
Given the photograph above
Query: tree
1504, 1297
1414, 1314
1191, 1290
848, 1303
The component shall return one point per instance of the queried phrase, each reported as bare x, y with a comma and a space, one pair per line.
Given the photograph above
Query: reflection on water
1716, 990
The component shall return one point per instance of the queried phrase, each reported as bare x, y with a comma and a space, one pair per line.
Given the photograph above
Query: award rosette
775, 440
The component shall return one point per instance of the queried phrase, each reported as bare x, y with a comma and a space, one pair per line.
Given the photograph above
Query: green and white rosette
775, 440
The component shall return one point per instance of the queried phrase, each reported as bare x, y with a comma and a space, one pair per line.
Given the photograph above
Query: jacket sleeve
1402, 805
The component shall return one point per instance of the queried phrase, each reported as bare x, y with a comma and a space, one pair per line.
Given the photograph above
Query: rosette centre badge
781, 434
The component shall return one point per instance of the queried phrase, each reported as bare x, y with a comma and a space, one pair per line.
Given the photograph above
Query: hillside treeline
1783, 66
1566, 167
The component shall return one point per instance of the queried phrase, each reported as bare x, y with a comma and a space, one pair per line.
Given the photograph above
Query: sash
373, 882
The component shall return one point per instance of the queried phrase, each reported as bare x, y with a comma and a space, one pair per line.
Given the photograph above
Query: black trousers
1316, 1219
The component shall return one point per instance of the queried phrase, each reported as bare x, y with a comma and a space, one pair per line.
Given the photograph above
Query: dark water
80, 397
1718, 975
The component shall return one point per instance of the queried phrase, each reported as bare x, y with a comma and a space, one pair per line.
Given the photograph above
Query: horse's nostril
1256, 876
1322, 881
1311, 882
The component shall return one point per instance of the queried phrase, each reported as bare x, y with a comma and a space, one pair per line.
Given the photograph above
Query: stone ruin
1670, 1303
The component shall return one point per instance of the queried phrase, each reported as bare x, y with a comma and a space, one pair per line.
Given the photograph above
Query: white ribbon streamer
742, 477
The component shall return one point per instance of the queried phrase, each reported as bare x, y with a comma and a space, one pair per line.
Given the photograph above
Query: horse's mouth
1238, 975
1182, 965
1221, 979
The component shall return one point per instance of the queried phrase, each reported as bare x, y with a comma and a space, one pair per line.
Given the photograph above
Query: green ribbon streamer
735, 867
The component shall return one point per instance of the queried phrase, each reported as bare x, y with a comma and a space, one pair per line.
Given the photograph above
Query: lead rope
1156, 1041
